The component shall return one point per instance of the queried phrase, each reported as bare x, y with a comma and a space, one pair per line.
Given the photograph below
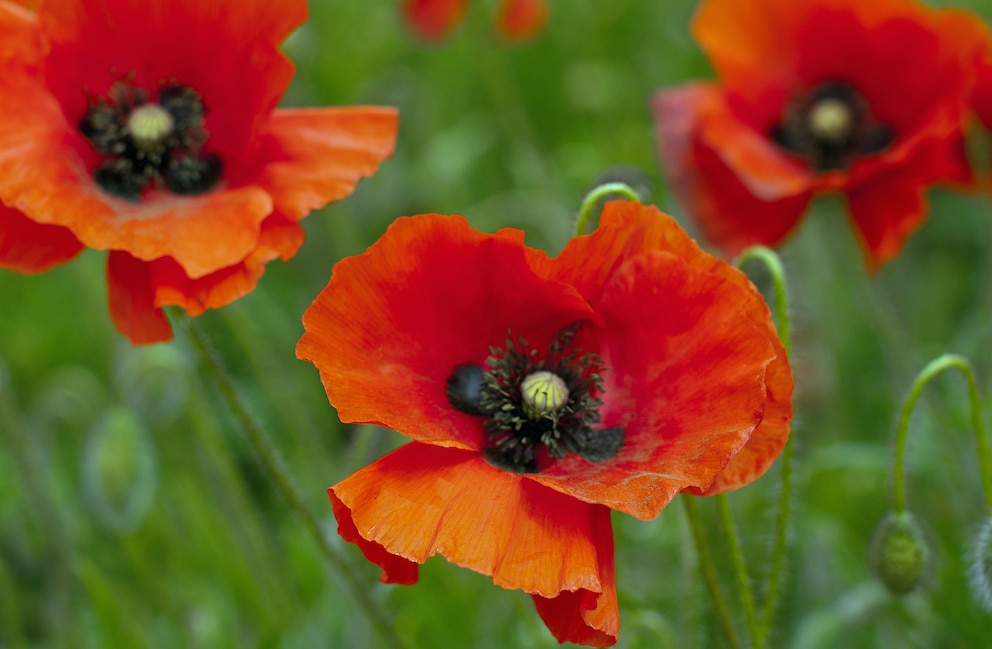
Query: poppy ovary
543, 393
149, 125
830, 126
536, 409
830, 119
147, 143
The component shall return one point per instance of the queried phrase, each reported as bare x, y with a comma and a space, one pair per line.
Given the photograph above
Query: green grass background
132, 514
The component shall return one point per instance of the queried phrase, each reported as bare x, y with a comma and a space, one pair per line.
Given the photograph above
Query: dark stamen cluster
518, 439
832, 143
172, 160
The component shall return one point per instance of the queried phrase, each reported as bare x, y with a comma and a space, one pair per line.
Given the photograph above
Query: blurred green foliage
132, 515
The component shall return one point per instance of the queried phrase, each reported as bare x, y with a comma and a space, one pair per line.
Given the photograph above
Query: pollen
831, 120
543, 393
149, 125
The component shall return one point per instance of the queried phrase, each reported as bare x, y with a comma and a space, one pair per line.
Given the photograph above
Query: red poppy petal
433, 20
422, 500
19, 36
730, 179
581, 616
520, 20
686, 381
628, 229
132, 300
225, 49
314, 156
430, 295
280, 238
45, 171
748, 42
29, 247
395, 569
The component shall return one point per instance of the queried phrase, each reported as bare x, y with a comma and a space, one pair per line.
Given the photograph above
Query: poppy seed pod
980, 575
899, 554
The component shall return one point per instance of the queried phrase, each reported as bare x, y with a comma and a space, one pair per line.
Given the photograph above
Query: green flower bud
980, 574
119, 470
899, 554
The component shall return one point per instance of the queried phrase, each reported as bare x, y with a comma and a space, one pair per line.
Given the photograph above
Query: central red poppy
864, 98
539, 394
148, 128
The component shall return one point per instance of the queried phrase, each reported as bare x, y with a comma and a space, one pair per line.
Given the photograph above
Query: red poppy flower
864, 98
149, 129
518, 20
539, 394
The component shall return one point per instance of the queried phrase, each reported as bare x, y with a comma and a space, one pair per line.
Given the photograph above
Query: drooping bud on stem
980, 574
899, 554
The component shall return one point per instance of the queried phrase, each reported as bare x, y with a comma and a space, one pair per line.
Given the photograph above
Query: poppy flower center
150, 143
536, 410
830, 126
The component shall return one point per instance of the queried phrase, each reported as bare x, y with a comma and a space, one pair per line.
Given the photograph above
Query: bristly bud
980, 574
899, 554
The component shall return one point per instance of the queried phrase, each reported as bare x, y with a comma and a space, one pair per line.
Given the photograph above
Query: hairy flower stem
593, 198
708, 568
746, 594
935, 367
270, 461
773, 579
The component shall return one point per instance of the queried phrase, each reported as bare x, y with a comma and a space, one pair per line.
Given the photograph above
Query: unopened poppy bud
899, 554
149, 125
543, 393
980, 575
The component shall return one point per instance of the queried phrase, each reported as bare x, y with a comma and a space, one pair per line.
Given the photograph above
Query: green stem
776, 571
740, 570
935, 367
273, 466
777, 272
708, 568
593, 197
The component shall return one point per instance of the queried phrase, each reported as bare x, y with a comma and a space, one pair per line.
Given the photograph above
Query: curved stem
273, 466
935, 367
593, 197
777, 272
776, 571
740, 571
709, 571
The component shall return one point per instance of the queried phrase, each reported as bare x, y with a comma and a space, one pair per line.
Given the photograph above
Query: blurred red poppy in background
517, 20
539, 394
149, 129
864, 98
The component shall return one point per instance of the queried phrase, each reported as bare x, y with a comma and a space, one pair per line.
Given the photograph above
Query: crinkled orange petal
432, 294
46, 172
748, 42
227, 51
685, 381
520, 20
422, 500
132, 300
628, 229
317, 155
280, 238
30, 247
20, 40
433, 20
582, 616
736, 186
